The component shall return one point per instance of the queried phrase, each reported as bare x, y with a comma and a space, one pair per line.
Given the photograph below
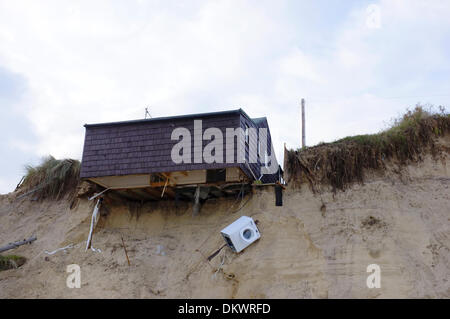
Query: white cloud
342, 86
95, 62
300, 65
5, 186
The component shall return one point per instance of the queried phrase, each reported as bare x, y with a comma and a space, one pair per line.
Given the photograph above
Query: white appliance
241, 233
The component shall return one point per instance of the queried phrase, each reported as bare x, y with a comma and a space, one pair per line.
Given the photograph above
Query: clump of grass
11, 261
52, 178
344, 161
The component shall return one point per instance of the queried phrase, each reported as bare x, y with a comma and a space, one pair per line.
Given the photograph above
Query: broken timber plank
18, 243
20, 183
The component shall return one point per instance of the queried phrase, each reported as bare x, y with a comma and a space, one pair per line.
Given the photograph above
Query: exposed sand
304, 252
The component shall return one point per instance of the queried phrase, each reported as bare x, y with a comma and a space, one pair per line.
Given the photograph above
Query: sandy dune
307, 250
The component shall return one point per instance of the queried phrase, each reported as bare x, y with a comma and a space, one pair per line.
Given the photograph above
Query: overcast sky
358, 64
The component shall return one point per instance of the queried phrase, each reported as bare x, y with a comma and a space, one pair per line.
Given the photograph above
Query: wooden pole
126, 253
303, 123
196, 207
20, 183
285, 165
18, 243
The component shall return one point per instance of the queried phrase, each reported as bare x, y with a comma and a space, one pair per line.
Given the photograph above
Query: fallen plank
18, 243
20, 183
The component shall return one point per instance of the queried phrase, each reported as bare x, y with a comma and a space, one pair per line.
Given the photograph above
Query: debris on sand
372, 222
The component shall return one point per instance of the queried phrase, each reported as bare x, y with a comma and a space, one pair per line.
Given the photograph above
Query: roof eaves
167, 118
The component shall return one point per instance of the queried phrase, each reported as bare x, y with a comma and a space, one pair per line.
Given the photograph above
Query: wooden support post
303, 124
126, 253
285, 160
164, 189
196, 207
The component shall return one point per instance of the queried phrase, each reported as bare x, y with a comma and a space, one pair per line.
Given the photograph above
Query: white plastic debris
160, 251
59, 249
97, 250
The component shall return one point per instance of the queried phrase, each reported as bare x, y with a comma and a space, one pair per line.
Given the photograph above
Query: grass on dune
344, 161
52, 178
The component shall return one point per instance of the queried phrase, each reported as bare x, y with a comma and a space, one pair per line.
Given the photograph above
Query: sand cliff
314, 246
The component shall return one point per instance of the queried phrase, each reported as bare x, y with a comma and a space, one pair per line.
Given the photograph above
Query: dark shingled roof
176, 117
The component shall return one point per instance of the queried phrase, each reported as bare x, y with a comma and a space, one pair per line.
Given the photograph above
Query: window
257, 150
247, 134
266, 159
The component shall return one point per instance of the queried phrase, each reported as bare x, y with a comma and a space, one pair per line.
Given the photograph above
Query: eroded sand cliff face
314, 246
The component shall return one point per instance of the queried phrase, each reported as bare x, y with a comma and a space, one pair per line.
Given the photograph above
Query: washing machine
241, 233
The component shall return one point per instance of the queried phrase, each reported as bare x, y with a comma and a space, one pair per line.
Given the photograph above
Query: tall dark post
303, 123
